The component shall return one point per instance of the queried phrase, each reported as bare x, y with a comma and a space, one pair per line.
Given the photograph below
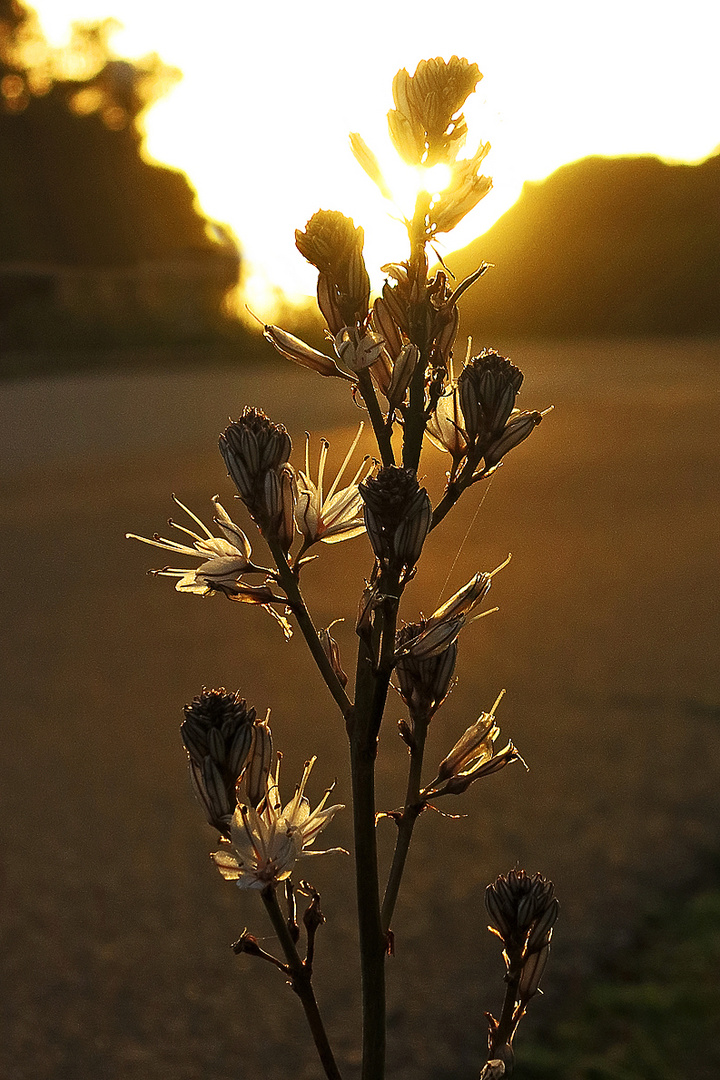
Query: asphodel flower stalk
396, 351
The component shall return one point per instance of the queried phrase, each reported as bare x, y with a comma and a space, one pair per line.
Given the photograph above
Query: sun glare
261, 119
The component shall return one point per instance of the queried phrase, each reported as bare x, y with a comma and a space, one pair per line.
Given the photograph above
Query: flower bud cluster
256, 452
333, 245
426, 125
477, 416
522, 912
398, 515
217, 733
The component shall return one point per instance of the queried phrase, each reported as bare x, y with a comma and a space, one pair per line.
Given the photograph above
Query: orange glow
260, 121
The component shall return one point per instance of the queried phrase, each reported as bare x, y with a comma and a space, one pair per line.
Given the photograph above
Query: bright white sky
272, 89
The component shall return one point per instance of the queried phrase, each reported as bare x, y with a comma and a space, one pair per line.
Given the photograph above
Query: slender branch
381, 427
301, 982
299, 609
455, 488
412, 810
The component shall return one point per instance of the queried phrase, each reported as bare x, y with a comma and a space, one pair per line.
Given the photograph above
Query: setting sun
261, 117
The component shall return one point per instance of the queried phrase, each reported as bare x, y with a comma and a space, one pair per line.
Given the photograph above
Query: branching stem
301, 982
290, 585
406, 823
381, 427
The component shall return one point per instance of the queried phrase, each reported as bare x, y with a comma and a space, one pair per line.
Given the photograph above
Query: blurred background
153, 167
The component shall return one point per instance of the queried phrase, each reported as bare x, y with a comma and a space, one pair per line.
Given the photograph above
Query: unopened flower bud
252, 447
332, 651
367, 160
398, 515
532, 971
252, 785
217, 733
426, 124
488, 386
292, 348
386, 327
280, 498
516, 431
333, 244
402, 372
522, 912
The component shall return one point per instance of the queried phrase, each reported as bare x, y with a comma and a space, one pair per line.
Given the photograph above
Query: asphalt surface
115, 926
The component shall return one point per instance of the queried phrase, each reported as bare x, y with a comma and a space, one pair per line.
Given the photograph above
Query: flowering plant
396, 351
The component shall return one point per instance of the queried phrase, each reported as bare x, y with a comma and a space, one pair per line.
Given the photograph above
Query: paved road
115, 926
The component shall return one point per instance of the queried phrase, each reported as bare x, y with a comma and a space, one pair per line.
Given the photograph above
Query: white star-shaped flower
265, 843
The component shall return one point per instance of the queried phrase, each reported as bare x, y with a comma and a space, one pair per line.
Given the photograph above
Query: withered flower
425, 667
398, 514
332, 651
333, 244
472, 757
217, 733
267, 840
293, 348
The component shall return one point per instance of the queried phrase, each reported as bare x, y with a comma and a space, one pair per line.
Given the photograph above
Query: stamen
501, 566
498, 699
344, 465
190, 514
324, 447
490, 611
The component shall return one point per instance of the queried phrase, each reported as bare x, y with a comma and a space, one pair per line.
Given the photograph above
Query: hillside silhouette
604, 246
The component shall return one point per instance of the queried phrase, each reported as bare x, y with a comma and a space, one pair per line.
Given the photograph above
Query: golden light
260, 121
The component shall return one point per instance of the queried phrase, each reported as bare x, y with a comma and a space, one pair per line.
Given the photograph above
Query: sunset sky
260, 120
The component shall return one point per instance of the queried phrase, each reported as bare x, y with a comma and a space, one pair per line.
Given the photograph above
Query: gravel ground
115, 925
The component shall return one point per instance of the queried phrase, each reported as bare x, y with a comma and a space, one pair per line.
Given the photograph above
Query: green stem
301, 982
412, 810
291, 588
